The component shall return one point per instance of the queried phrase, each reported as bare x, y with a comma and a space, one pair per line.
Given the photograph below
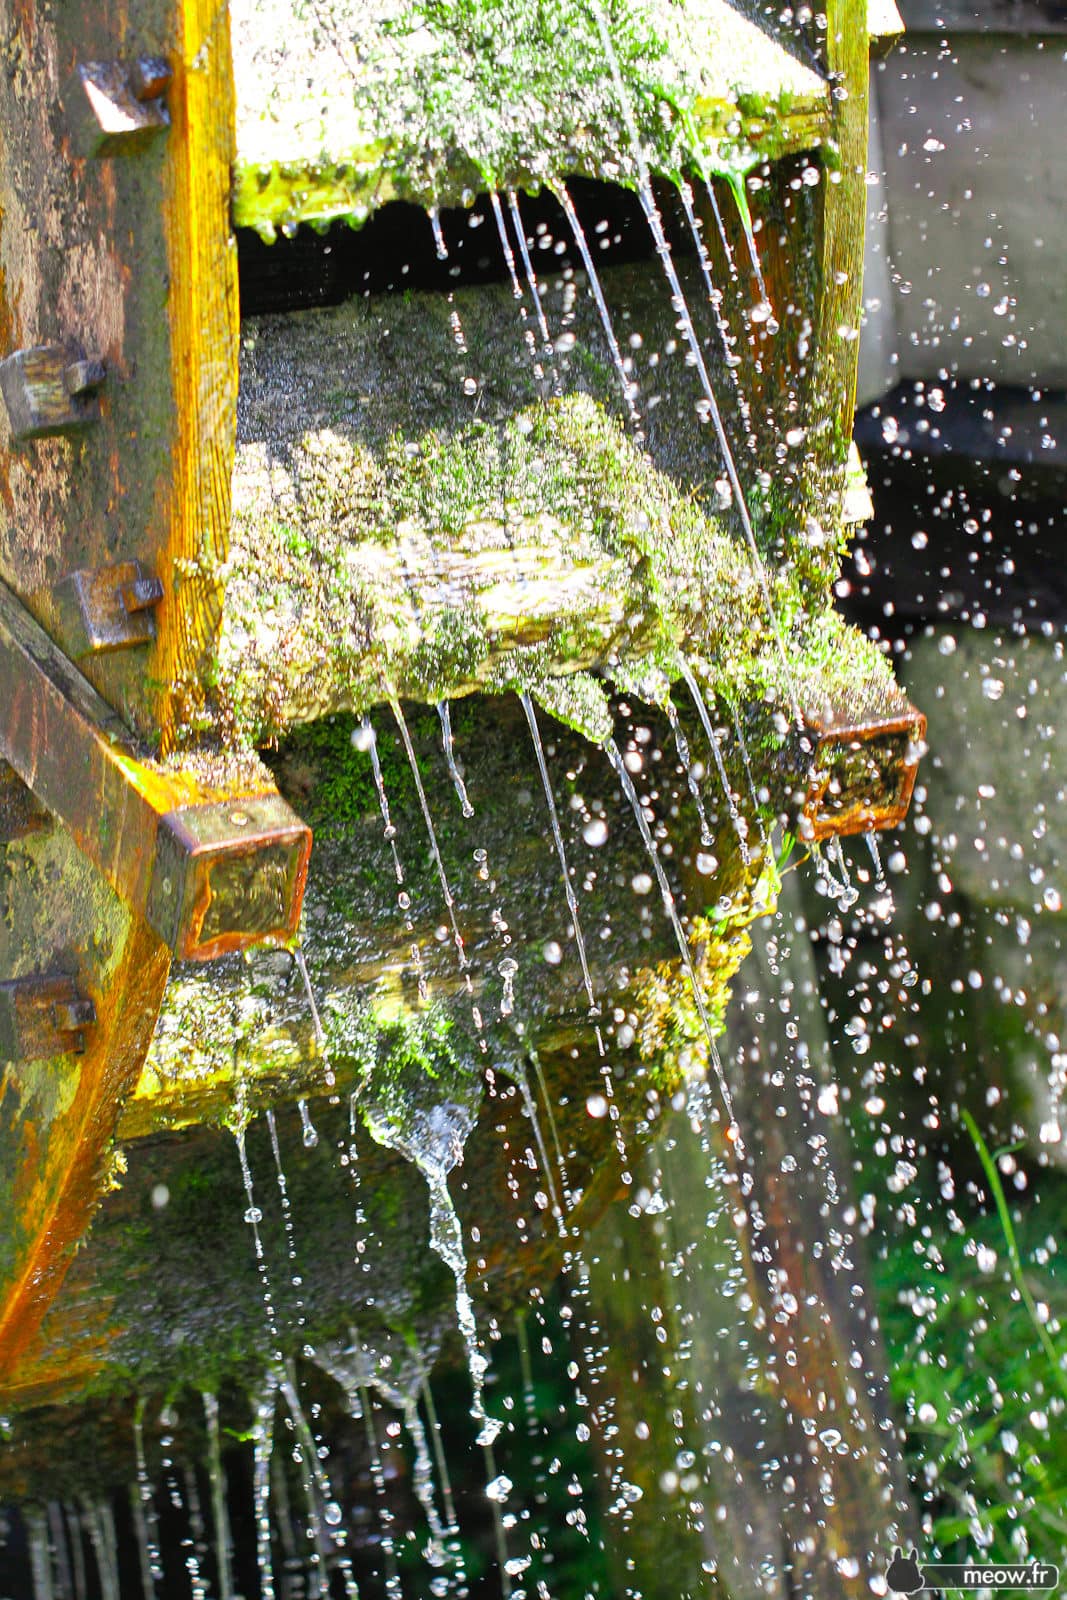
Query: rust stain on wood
59, 1179
203, 315
133, 254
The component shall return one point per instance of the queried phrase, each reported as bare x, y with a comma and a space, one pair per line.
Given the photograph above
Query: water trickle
287, 1216
454, 773
262, 1452
579, 940
716, 211
841, 887
517, 1072
329, 1077
100, 1522
880, 881
739, 824
219, 1510
451, 1526
309, 1135
40, 1554
69, 1523
393, 1587
736, 186
195, 1542
365, 739
561, 853
355, 1371
254, 1216
144, 1513
507, 970
438, 234
529, 338
431, 833
561, 1165
629, 388
530, 275
706, 835
432, 1137
733, 361
318, 1495
757, 801
679, 934
663, 250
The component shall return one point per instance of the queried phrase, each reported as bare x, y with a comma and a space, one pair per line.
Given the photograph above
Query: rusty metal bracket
224, 863
42, 1017
863, 774
214, 867
21, 813
48, 390
107, 609
115, 108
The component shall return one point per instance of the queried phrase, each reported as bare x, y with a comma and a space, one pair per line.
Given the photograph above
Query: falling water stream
535, 293
450, 758
439, 866
685, 755
739, 824
629, 388
669, 906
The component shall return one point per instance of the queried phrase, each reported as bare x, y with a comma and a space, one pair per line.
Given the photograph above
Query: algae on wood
237, 1036
341, 107
417, 520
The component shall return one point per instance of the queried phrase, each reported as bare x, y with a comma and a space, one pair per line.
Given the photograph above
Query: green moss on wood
344, 106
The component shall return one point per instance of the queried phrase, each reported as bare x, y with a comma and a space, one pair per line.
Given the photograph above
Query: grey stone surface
991, 791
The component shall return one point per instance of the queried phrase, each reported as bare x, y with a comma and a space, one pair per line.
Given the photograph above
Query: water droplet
595, 833
597, 1105
499, 1489
552, 952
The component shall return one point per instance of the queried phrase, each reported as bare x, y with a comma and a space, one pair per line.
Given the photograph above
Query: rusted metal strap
863, 774
42, 1017
212, 869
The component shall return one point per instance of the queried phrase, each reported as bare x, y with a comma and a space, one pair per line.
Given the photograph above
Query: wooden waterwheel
191, 607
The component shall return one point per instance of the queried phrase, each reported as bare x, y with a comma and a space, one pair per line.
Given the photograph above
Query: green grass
974, 1310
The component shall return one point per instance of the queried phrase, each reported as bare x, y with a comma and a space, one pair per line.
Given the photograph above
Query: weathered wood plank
414, 520
342, 108
214, 860
57, 1115
203, 316
237, 1037
125, 257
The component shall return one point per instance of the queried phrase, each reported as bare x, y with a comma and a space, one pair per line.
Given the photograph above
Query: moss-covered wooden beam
401, 1030
343, 106
417, 520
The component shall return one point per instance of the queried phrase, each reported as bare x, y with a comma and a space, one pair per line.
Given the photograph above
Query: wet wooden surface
126, 258
57, 1115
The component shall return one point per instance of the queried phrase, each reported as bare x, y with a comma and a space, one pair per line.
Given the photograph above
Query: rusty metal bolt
141, 594
115, 108
83, 377
49, 389
72, 1015
149, 77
